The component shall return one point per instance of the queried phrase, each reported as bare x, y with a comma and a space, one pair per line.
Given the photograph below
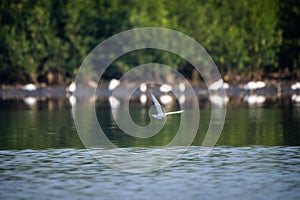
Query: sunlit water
42, 157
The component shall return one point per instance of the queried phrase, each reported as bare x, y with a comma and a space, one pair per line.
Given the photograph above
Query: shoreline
280, 89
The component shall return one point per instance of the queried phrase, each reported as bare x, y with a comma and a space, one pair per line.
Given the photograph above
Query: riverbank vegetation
46, 41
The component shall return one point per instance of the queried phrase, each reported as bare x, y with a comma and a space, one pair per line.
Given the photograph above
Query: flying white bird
160, 114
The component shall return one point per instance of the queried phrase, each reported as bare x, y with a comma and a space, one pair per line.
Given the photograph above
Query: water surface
42, 157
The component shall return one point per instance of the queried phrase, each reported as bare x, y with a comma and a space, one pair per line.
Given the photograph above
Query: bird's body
71, 88
160, 114
143, 87
254, 85
165, 88
219, 84
29, 87
113, 84
295, 86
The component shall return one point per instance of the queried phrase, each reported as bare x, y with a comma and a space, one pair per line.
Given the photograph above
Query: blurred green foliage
46, 41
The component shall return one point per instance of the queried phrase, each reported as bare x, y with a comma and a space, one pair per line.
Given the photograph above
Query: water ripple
230, 173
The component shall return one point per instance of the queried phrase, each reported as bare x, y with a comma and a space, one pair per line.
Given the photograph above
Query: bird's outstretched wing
174, 112
156, 103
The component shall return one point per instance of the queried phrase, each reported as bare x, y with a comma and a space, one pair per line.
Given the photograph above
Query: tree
289, 16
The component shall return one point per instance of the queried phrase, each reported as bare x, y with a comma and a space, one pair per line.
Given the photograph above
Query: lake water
42, 157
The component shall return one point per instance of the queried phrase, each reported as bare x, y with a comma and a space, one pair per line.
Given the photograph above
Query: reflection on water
48, 123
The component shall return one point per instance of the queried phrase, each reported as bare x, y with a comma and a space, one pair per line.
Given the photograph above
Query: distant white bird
72, 87
143, 87
113, 84
250, 85
254, 85
260, 84
218, 84
29, 87
295, 86
160, 114
225, 86
165, 88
